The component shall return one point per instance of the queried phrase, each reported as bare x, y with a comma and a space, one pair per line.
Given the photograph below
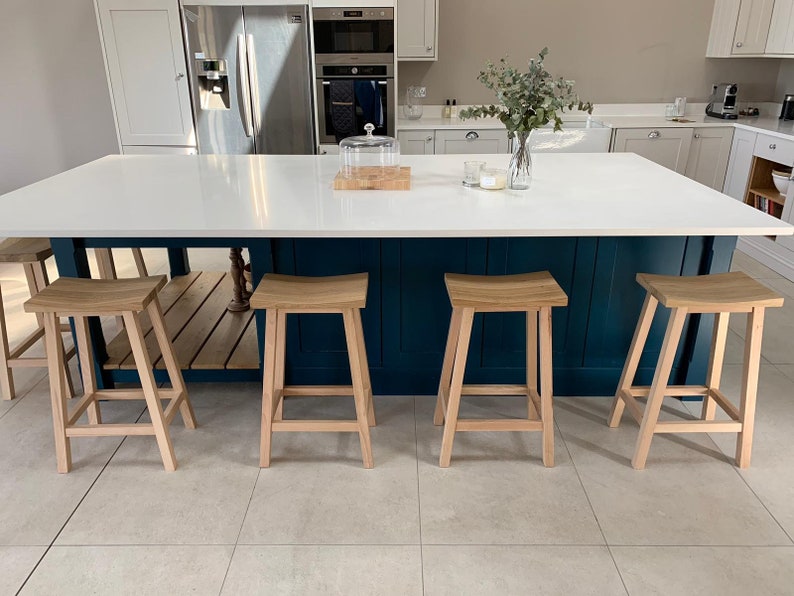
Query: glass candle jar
493, 179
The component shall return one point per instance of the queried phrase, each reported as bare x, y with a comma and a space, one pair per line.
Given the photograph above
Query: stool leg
658, 387
633, 358
446, 368
157, 320
752, 361
55, 364
107, 270
144, 365
88, 375
268, 386
458, 369
362, 352
140, 264
532, 362
359, 391
281, 349
34, 285
6, 376
546, 392
716, 357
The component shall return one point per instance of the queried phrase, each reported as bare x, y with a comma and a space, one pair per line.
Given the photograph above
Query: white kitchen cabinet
781, 30
666, 146
708, 156
416, 142
417, 29
145, 59
471, 141
739, 164
752, 26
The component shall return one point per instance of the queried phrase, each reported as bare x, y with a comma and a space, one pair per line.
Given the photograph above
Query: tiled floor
496, 522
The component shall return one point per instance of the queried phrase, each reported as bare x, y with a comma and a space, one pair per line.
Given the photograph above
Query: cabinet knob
472, 136
773, 146
180, 76
654, 134
429, 48
428, 139
697, 135
739, 44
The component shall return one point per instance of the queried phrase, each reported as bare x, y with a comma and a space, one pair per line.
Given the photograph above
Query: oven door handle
253, 83
244, 87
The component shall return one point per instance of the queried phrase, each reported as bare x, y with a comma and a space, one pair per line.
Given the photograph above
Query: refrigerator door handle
244, 85
254, 83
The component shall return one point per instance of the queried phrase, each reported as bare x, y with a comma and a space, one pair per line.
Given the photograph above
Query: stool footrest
498, 424
672, 390
27, 363
698, 426
109, 430
173, 405
723, 402
315, 426
488, 390
317, 390
127, 394
635, 409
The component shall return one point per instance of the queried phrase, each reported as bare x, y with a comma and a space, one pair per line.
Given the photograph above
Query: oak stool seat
533, 293
280, 295
129, 298
31, 253
720, 294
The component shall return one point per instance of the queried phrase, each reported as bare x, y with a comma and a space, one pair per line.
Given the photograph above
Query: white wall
55, 110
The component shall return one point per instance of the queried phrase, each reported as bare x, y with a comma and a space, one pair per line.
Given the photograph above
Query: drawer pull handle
472, 136
773, 146
654, 134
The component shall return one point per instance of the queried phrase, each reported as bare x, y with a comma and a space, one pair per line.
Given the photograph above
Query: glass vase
519, 173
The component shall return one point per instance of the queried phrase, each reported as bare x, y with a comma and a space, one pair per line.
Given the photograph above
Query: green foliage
527, 100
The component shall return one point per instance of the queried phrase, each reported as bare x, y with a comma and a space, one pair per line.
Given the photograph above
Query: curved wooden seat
70, 295
24, 250
501, 293
735, 290
289, 292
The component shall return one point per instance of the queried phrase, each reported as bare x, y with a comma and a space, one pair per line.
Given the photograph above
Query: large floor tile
497, 490
117, 570
203, 502
743, 262
704, 571
325, 570
37, 500
519, 570
317, 492
16, 563
689, 494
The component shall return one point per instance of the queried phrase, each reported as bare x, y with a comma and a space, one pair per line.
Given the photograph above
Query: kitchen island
592, 220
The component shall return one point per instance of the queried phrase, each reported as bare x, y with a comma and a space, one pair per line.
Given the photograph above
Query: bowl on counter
781, 180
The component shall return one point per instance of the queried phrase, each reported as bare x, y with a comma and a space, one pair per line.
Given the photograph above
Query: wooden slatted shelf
205, 335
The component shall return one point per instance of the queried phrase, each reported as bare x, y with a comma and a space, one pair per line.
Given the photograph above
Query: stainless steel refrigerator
250, 78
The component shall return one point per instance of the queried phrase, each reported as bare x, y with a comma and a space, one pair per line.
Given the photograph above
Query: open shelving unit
761, 192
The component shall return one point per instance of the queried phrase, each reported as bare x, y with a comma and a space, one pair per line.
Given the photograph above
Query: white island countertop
202, 196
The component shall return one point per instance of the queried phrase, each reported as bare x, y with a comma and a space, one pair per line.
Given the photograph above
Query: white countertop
587, 194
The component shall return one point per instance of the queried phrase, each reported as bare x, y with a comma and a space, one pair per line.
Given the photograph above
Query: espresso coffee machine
722, 103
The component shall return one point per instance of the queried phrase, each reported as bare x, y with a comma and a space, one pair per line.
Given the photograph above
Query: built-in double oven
354, 57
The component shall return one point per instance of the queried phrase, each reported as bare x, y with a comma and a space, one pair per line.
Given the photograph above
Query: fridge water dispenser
213, 83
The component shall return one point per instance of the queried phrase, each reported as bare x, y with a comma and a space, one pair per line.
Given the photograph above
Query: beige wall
55, 110
618, 51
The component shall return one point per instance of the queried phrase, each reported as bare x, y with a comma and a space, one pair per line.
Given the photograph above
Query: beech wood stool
280, 295
721, 294
82, 298
533, 293
31, 253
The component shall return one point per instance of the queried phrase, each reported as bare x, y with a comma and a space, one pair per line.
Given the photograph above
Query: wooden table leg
239, 302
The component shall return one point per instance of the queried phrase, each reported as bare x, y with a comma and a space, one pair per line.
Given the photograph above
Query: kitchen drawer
471, 141
774, 149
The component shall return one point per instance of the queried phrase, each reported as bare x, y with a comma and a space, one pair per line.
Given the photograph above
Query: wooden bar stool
721, 294
31, 253
533, 293
280, 295
82, 298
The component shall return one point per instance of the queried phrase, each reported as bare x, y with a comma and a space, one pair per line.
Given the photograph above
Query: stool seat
501, 293
737, 290
289, 292
69, 295
24, 250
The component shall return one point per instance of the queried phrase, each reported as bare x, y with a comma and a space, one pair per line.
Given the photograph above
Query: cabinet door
666, 146
723, 28
416, 142
708, 156
417, 29
788, 217
739, 164
781, 30
146, 63
752, 28
471, 141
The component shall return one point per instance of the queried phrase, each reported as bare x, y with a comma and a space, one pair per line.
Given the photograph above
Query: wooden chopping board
369, 179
